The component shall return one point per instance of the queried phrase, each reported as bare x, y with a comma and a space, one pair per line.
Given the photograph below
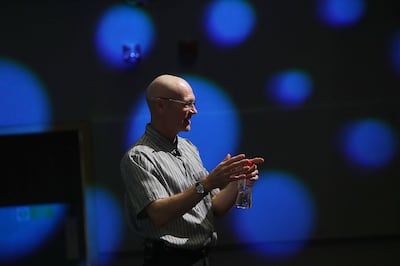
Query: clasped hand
233, 168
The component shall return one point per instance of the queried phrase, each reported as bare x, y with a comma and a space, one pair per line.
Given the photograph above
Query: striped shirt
155, 168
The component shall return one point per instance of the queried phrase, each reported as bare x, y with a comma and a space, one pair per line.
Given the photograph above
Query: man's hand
232, 169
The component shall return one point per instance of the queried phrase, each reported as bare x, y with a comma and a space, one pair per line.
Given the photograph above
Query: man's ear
159, 105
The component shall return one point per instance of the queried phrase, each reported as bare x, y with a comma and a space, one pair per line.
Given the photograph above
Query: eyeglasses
189, 104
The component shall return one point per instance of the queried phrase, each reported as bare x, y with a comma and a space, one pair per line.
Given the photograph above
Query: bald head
168, 86
167, 96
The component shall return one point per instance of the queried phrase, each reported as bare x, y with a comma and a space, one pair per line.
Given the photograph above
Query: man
172, 200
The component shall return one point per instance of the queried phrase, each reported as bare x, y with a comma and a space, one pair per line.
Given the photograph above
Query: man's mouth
187, 120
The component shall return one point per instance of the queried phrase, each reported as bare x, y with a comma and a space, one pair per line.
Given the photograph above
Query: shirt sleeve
141, 183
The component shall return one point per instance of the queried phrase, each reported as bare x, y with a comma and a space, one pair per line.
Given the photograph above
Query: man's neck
170, 136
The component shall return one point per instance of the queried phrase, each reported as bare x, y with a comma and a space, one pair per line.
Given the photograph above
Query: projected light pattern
24, 104
25, 229
281, 219
228, 23
340, 13
123, 26
394, 52
368, 143
139, 117
105, 222
215, 129
289, 89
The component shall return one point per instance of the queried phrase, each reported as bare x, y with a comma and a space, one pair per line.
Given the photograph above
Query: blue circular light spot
215, 109
105, 219
120, 28
290, 88
368, 143
23, 101
228, 23
139, 117
340, 12
25, 229
394, 52
281, 219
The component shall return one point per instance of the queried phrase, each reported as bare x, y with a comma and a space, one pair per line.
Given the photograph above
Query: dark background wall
357, 212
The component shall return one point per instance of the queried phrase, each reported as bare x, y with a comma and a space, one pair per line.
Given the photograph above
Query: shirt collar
162, 142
